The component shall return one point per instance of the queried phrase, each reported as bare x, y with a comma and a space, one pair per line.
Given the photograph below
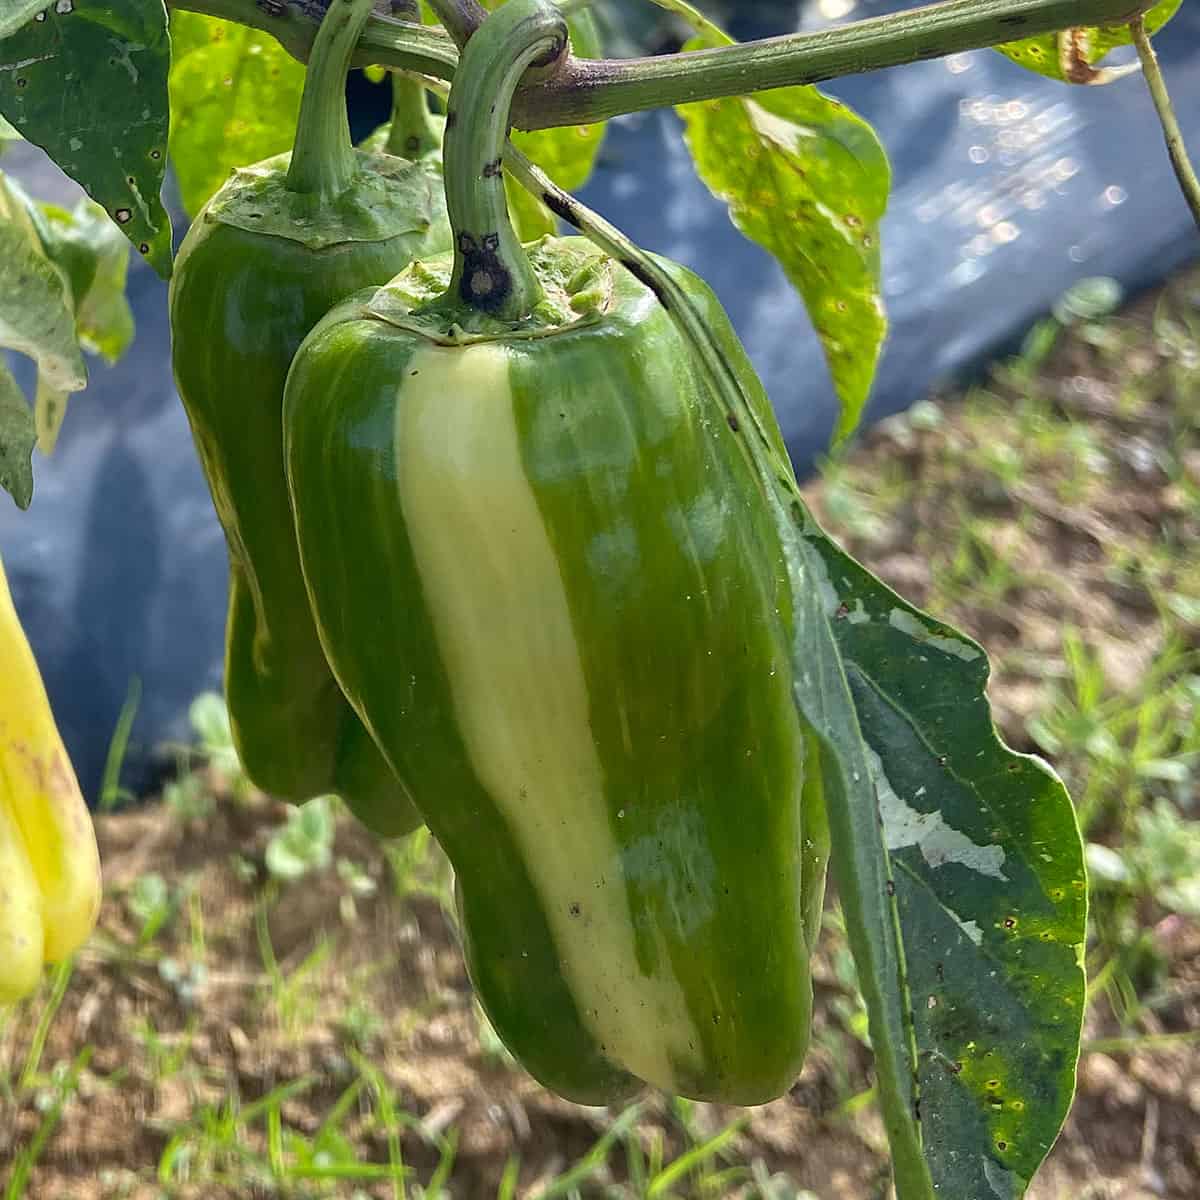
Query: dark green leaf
1073, 55
89, 85
987, 867
17, 438
235, 96
806, 179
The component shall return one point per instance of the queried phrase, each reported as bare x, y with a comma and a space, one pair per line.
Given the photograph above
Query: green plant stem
491, 272
586, 90
1176, 148
323, 162
412, 133
460, 17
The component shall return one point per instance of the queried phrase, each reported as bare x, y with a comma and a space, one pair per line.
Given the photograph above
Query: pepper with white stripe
547, 584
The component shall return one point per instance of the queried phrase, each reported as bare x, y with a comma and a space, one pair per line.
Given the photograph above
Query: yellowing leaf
235, 96
807, 179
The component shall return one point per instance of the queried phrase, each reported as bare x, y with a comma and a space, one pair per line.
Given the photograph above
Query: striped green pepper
549, 585
546, 584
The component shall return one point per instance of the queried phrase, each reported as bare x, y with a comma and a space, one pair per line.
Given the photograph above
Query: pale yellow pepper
49, 865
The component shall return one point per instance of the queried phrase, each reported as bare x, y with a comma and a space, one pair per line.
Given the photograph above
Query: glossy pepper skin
258, 268
545, 580
49, 867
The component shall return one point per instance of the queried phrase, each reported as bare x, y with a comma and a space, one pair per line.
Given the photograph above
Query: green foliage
209, 717
1074, 55
54, 69
807, 179
153, 904
62, 290
235, 95
36, 319
305, 843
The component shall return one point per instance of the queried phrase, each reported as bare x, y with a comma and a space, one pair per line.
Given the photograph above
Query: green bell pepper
547, 583
269, 254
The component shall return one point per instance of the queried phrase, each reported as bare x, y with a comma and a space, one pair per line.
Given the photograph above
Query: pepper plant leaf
807, 179
17, 439
36, 318
1074, 55
88, 83
984, 880
90, 250
235, 96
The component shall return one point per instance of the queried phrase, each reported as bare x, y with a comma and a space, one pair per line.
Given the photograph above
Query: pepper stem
491, 272
323, 162
412, 133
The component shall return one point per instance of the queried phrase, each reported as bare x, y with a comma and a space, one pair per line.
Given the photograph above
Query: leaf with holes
88, 84
1074, 55
961, 870
235, 96
808, 180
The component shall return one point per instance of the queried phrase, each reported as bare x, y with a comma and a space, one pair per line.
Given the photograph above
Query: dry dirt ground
320, 984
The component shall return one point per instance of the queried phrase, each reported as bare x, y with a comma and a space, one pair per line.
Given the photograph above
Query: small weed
189, 798
152, 903
209, 717
304, 843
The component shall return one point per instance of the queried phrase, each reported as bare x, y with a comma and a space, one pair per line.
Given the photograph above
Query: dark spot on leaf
732, 420
413, 144
1010, 922
144, 248
122, 216
575, 910
891, 888
842, 611
21, 82
491, 169
156, 154
1001, 1145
